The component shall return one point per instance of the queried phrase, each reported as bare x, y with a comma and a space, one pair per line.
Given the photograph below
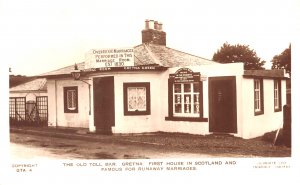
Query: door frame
211, 80
98, 123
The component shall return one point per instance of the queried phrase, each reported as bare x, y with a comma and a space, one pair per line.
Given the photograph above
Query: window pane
141, 98
187, 87
136, 98
177, 88
178, 108
196, 87
71, 99
187, 108
131, 93
196, 108
187, 103
177, 98
196, 98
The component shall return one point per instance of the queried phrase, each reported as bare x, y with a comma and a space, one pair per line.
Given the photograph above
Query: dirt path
25, 146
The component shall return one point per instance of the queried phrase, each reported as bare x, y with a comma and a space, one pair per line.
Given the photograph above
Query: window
258, 97
277, 95
136, 98
71, 99
186, 100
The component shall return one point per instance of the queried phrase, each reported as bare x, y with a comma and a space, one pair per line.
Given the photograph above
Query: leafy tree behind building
238, 53
283, 61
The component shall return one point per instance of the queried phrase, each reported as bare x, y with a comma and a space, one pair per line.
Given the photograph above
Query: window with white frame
71, 99
136, 98
258, 96
186, 99
277, 95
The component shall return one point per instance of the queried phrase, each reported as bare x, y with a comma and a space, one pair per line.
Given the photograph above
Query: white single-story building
151, 87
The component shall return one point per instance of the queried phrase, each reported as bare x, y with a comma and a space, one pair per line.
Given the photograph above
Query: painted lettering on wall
98, 58
183, 75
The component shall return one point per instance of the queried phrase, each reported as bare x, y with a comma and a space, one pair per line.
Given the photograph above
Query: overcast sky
39, 36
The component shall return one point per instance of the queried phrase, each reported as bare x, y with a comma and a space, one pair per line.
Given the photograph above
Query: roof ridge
190, 54
61, 68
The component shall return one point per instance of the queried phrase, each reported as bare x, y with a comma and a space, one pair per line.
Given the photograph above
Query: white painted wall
216, 70
248, 125
254, 126
138, 123
57, 116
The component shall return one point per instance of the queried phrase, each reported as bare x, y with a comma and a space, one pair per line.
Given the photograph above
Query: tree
238, 53
283, 61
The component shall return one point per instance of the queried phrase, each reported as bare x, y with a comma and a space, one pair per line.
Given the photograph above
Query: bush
270, 136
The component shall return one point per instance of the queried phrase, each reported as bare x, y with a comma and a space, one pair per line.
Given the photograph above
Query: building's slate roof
64, 70
150, 54
167, 57
277, 73
34, 85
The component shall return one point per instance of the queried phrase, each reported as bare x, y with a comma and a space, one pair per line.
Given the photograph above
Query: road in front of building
27, 146
58, 143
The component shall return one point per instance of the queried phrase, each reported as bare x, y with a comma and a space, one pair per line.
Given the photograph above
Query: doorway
222, 105
104, 104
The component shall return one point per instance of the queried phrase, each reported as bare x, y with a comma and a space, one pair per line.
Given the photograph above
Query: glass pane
187, 108
131, 95
187, 87
177, 98
71, 99
187, 103
177, 108
196, 98
141, 98
136, 98
196, 87
196, 108
177, 88
187, 99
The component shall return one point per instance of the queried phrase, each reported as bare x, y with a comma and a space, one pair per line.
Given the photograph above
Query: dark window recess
136, 98
71, 99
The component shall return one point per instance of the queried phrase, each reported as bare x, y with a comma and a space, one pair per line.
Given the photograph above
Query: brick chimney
153, 33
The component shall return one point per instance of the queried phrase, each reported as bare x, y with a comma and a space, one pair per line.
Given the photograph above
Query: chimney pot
146, 24
160, 28
155, 25
151, 24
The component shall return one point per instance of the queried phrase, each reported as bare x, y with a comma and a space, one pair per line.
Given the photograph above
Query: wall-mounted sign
183, 75
126, 68
98, 58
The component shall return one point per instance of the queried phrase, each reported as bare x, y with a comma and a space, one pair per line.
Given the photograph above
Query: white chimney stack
151, 24
146, 24
160, 28
155, 25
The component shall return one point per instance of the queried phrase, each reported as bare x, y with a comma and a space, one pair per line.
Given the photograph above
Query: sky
40, 36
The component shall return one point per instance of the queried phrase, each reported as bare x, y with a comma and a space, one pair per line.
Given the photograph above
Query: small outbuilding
28, 103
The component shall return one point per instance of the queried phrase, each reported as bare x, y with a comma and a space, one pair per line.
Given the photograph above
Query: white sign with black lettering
98, 58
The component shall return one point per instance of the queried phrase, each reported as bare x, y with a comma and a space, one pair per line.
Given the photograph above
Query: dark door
222, 104
104, 104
